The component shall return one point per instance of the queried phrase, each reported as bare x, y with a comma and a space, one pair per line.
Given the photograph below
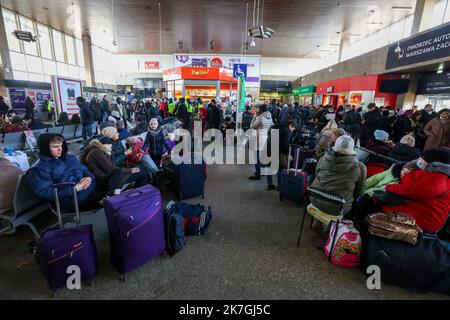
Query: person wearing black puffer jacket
155, 142
371, 123
404, 150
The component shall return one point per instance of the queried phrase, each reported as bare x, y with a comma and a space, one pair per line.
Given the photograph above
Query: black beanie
397, 169
437, 155
105, 140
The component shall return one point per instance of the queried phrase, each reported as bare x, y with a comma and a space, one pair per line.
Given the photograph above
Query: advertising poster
224, 61
17, 98
67, 90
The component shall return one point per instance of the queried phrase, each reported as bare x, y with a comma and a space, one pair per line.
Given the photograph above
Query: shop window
10, 25
28, 25
58, 45
44, 41
70, 49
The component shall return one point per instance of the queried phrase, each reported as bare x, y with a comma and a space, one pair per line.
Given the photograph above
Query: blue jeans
270, 181
87, 131
141, 178
147, 162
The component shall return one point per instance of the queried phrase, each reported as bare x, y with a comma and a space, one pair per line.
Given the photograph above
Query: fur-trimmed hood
439, 167
97, 144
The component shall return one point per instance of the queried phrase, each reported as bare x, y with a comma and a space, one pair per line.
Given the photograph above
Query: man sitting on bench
57, 166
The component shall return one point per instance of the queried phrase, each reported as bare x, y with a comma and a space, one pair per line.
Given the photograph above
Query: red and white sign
151, 65
216, 62
330, 89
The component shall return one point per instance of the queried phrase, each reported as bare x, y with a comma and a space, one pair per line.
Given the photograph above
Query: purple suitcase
57, 249
136, 227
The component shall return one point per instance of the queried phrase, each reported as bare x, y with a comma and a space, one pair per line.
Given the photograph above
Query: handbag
394, 226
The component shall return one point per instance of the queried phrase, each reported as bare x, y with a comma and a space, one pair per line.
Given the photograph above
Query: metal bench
14, 140
26, 207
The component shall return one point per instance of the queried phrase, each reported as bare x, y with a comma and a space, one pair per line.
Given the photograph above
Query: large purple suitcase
57, 249
136, 227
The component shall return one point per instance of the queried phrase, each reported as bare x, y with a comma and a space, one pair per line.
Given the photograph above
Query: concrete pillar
424, 14
406, 100
88, 61
6, 67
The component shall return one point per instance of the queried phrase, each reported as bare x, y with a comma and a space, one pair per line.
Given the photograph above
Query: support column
88, 61
218, 89
423, 15
5, 58
406, 100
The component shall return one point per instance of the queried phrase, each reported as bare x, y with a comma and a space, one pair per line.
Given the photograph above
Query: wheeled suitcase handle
57, 186
297, 156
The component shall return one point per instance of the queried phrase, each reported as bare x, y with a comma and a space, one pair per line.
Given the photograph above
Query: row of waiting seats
17, 141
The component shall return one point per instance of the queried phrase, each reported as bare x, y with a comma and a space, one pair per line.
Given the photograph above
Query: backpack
96, 111
343, 247
174, 229
196, 218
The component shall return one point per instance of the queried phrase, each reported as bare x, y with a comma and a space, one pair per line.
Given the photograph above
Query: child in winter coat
155, 142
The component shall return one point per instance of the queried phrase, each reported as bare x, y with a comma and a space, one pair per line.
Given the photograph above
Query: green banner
242, 93
304, 90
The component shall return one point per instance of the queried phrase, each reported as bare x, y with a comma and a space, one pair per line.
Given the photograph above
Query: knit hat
153, 121
112, 119
105, 140
345, 145
381, 135
109, 132
437, 155
408, 140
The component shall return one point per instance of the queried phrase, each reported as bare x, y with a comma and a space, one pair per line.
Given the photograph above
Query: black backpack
174, 229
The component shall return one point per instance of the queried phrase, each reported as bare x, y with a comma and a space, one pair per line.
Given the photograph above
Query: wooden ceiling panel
299, 25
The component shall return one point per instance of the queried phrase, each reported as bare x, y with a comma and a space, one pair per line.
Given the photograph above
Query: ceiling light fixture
253, 43
25, 36
259, 30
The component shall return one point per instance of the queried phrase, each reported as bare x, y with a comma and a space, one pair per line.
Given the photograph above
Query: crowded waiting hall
261, 154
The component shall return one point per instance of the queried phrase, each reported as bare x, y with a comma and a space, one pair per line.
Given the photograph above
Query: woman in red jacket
428, 190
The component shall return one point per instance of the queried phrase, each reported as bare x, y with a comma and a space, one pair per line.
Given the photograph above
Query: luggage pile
405, 255
184, 219
138, 232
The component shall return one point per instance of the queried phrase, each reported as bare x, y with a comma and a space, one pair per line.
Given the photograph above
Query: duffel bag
423, 267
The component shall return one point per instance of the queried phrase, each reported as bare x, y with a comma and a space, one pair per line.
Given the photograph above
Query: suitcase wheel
123, 278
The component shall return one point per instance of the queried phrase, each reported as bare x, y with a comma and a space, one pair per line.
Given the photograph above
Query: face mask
421, 165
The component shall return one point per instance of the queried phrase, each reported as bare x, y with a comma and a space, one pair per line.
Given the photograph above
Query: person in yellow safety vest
50, 109
171, 107
189, 106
